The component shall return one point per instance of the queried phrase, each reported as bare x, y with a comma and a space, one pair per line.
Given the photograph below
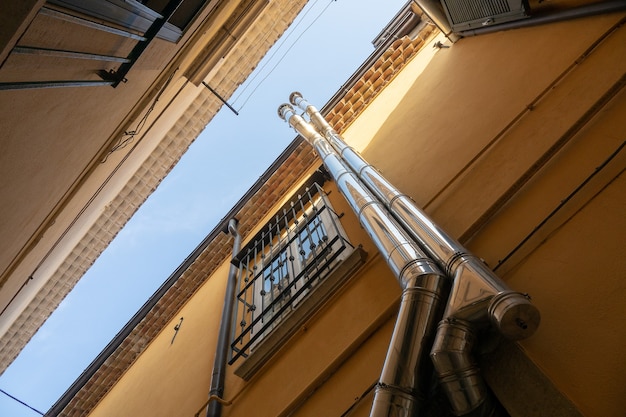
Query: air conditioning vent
471, 14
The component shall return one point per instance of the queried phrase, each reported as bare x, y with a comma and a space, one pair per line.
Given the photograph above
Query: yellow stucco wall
327, 340
461, 140
172, 379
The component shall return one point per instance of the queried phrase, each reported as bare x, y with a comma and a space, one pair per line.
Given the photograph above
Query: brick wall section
254, 210
375, 79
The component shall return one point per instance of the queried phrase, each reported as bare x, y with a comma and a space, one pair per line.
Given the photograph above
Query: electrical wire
129, 135
121, 143
21, 402
282, 41
285, 54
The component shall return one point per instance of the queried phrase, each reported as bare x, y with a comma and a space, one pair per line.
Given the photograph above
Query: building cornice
78, 247
290, 167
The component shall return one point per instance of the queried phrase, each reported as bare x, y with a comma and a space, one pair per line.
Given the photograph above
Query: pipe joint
458, 374
456, 260
409, 263
423, 273
480, 297
391, 401
395, 198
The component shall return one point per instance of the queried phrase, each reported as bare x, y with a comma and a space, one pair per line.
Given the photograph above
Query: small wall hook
176, 329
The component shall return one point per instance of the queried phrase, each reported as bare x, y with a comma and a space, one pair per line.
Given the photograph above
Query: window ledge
289, 325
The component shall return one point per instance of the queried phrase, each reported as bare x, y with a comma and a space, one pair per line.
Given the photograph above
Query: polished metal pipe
406, 369
439, 245
477, 284
458, 374
478, 296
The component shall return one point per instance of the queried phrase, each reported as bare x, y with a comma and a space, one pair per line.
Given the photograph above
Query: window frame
330, 269
293, 261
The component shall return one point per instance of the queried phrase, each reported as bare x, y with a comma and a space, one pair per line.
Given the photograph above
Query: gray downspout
478, 296
221, 353
404, 377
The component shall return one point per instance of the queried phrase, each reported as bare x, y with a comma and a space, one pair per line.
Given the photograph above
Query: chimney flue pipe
478, 296
406, 371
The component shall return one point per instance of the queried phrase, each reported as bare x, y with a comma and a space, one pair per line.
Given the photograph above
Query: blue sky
331, 41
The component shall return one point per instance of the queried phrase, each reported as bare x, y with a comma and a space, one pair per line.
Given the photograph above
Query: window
283, 265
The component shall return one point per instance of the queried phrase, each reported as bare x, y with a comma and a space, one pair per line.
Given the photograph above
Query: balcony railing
282, 265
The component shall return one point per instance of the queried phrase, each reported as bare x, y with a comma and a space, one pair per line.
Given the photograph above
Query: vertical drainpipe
216, 391
406, 371
478, 296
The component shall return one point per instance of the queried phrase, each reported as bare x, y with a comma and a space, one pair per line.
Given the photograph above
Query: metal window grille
283, 264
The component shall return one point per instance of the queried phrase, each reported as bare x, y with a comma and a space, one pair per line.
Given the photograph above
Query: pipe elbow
451, 351
458, 374
233, 227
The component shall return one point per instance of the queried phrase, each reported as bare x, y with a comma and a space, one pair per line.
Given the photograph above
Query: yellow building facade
511, 141
99, 99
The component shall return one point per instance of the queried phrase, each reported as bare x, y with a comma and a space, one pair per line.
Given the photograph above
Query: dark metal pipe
223, 342
406, 370
174, 278
568, 14
215, 93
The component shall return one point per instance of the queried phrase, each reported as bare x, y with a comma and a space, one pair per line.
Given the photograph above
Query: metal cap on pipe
295, 97
513, 315
283, 109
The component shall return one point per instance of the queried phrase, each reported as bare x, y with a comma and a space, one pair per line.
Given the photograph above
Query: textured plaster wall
447, 145
472, 140
327, 339
172, 379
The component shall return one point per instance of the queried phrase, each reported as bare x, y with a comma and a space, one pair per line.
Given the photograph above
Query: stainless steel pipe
468, 271
478, 296
406, 369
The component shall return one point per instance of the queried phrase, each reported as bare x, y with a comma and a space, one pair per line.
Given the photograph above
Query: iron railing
282, 265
